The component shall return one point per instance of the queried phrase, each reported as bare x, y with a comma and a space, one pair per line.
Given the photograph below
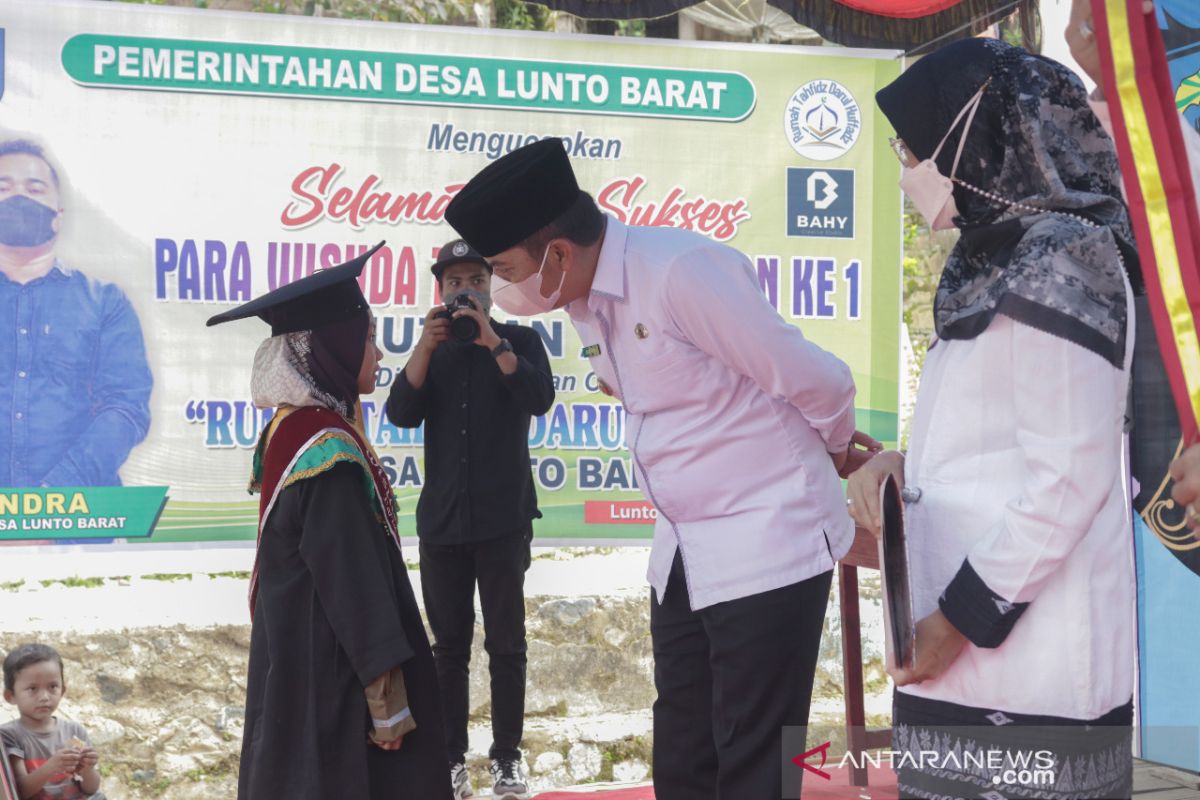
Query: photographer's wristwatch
505, 346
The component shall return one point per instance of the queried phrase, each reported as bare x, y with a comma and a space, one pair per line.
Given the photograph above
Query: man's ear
563, 252
56, 223
9, 697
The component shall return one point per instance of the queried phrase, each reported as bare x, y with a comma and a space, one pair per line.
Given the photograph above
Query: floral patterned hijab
317, 367
1034, 144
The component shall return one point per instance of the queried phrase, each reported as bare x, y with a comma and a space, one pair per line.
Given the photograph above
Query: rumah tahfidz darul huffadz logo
822, 120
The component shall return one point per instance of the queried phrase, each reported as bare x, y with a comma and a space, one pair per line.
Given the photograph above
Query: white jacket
1018, 448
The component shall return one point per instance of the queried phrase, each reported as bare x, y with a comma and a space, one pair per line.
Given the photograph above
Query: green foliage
214, 771
75, 582
505, 14
12, 586
517, 15
639, 748
631, 27
925, 253
1024, 27
241, 575
167, 577
434, 12
1012, 35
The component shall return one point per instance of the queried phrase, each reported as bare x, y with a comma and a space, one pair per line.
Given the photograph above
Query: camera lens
464, 329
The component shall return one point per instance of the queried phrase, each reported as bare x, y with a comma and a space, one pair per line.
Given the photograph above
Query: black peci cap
456, 252
330, 295
514, 197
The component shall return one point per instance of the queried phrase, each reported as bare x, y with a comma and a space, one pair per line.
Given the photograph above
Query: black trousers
449, 574
729, 678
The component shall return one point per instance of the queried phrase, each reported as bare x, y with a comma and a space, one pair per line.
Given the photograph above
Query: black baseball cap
457, 252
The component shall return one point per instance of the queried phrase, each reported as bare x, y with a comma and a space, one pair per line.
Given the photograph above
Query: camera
462, 329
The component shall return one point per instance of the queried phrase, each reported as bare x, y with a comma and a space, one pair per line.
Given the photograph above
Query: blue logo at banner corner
820, 202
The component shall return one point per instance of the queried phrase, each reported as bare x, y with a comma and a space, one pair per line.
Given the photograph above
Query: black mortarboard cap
456, 252
329, 295
514, 197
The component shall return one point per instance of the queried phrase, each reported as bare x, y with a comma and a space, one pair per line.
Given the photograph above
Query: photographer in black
475, 387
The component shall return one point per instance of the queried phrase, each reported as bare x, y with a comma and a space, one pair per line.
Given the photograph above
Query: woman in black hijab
342, 697
1020, 547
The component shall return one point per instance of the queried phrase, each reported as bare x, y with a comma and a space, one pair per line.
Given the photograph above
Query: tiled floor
1155, 782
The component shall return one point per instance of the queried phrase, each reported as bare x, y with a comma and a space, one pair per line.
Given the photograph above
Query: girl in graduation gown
342, 700
1020, 543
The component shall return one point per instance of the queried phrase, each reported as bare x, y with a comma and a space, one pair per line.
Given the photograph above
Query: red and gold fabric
305, 442
1162, 200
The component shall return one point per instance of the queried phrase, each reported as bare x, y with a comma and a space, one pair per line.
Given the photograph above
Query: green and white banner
204, 158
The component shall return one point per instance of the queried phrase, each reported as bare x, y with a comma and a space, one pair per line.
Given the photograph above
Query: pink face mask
525, 298
931, 191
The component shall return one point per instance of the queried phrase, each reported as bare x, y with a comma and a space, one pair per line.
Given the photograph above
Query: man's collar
58, 271
609, 280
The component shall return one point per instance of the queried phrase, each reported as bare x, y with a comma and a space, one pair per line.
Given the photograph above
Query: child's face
37, 690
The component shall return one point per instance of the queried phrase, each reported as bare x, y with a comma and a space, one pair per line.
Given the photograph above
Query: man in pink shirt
738, 428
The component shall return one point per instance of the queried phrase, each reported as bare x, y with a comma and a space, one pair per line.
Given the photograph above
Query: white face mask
525, 299
931, 191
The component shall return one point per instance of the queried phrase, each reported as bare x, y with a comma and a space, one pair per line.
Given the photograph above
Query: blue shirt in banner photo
74, 382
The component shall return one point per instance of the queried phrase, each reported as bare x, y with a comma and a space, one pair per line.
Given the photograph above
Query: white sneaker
510, 781
460, 782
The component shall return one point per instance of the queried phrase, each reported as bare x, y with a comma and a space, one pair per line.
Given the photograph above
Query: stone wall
165, 705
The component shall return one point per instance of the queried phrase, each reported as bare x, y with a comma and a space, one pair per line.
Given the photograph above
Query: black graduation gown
335, 610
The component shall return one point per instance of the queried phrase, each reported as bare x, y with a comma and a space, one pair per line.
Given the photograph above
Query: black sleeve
531, 385
406, 405
978, 613
342, 544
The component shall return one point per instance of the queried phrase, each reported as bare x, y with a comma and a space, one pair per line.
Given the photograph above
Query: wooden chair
864, 553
